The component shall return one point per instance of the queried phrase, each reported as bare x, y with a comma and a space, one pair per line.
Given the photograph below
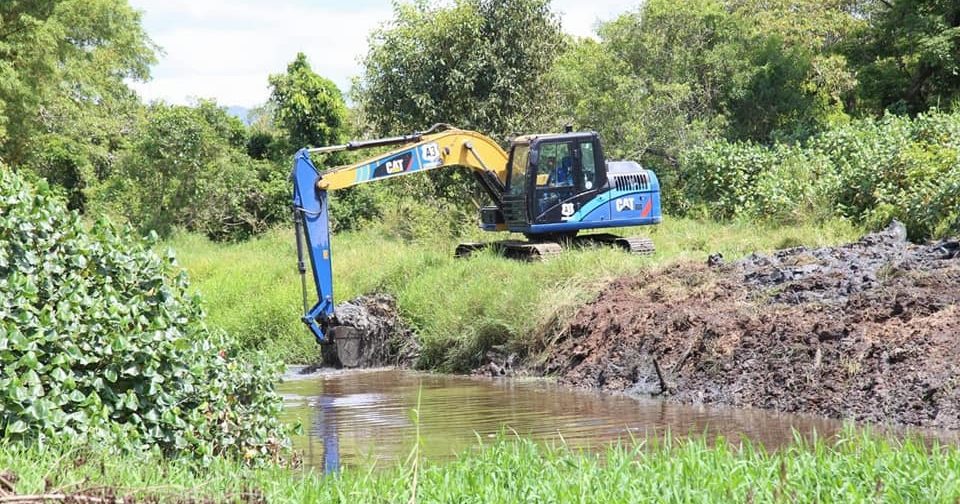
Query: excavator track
513, 249
633, 244
541, 251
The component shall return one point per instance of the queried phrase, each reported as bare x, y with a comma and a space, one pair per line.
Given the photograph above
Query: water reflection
325, 428
363, 418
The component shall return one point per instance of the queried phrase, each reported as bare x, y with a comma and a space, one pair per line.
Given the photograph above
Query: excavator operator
564, 173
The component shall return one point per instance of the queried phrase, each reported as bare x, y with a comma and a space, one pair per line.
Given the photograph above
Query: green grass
458, 307
858, 467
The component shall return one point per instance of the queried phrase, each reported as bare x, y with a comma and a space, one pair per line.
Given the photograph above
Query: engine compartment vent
630, 182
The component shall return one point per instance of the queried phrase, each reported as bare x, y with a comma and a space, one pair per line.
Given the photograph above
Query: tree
187, 168
804, 82
672, 74
62, 58
307, 106
478, 64
661, 79
909, 56
65, 108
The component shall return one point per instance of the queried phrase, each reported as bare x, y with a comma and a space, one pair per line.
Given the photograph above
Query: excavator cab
558, 185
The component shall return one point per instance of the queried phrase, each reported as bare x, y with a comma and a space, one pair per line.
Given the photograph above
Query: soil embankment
868, 330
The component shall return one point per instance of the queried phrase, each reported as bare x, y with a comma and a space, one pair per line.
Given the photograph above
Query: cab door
569, 175
555, 182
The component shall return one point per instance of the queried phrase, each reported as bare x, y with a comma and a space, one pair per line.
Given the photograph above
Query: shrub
101, 343
896, 167
187, 167
870, 171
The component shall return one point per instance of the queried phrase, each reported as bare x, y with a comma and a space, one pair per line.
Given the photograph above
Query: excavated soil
868, 331
369, 333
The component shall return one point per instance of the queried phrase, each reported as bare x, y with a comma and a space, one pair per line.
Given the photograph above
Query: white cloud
225, 49
581, 17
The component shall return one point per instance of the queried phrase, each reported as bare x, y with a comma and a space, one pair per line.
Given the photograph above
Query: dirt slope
869, 330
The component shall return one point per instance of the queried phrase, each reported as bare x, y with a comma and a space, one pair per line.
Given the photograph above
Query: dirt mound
370, 333
868, 330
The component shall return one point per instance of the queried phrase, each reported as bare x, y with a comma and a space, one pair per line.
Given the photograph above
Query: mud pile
868, 330
368, 332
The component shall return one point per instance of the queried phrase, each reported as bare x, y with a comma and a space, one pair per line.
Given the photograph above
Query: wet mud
369, 332
867, 331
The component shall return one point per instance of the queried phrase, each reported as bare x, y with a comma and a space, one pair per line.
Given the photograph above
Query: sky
225, 49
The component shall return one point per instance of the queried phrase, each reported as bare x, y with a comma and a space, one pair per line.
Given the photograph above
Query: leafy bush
187, 167
871, 171
100, 342
897, 167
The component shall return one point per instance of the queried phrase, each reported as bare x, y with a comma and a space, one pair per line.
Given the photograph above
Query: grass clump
101, 342
856, 467
459, 308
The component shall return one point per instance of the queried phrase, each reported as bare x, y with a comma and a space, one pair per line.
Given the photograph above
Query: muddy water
359, 418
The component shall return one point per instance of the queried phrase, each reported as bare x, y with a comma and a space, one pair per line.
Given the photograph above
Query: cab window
518, 169
555, 166
588, 163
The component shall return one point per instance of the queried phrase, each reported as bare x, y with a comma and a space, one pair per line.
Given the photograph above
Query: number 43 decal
430, 153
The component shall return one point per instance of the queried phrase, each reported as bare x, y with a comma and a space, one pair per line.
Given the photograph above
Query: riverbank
458, 308
866, 331
856, 467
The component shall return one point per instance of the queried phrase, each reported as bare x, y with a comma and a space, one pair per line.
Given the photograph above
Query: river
367, 417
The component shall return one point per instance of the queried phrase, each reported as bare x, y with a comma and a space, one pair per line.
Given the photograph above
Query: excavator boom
417, 153
421, 152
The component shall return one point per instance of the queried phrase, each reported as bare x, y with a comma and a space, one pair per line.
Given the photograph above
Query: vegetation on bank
856, 467
869, 171
458, 307
102, 342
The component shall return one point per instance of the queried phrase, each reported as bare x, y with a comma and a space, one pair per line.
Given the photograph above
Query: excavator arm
416, 153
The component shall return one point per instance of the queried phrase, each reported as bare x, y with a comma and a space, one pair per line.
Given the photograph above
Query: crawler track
540, 251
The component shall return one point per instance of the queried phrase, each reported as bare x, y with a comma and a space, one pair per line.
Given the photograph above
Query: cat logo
394, 166
625, 204
567, 211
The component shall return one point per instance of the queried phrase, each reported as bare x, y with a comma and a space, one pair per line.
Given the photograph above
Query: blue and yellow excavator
548, 188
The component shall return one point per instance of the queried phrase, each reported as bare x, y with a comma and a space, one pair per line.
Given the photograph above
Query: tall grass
459, 307
858, 467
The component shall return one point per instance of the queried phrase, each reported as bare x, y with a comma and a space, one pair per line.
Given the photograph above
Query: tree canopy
478, 64
310, 108
60, 56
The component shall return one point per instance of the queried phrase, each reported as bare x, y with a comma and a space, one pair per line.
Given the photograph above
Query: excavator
548, 188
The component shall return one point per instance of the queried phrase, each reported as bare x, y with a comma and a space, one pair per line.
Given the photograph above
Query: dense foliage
910, 55
65, 106
308, 107
101, 342
869, 170
478, 64
187, 167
